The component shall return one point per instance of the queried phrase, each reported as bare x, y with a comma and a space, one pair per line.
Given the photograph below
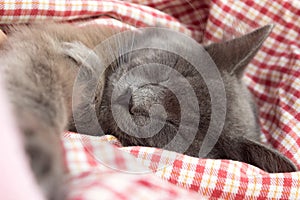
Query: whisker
132, 46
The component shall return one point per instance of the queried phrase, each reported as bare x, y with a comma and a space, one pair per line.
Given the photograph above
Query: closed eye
124, 98
166, 79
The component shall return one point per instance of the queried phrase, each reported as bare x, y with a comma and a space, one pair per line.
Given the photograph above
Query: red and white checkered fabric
273, 77
98, 170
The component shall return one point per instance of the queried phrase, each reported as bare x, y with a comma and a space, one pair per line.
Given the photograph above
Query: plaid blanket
273, 77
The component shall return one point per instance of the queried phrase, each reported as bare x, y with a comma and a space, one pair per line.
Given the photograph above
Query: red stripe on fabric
51, 12
240, 15
278, 122
276, 18
108, 188
222, 175
120, 161
142, 182
177, 166
287, 5
276, 143
293, 91
287, 186
276, 67
297, 116
289, 109
196, 183
88, 152
287, 181
188, 12
274, 53
250, 22
266, 82
198, 176
241, 193
159, 5
135, 151
34, 12
155, 159
262, 98
266, 182
210, 37
274, 36
155, 13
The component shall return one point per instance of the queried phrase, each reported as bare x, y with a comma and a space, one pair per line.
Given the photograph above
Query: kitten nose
139, 104
137, 110
159, 98
143, 98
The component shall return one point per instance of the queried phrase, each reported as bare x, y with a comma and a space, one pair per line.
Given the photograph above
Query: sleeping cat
57, 79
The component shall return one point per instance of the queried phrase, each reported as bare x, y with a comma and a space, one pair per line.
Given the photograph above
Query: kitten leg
43, 147
251, 152
41, 136
41, 117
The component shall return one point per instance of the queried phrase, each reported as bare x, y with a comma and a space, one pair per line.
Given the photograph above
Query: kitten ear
81, 54
234, 55
254, 153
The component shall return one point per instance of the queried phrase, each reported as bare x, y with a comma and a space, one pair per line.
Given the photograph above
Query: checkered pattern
98, 170
272, 76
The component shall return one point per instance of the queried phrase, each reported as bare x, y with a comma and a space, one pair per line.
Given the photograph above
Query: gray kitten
39, 80
43, 64
240, 135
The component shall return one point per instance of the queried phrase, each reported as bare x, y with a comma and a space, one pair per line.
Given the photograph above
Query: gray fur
40, 65
39, 80
241, 125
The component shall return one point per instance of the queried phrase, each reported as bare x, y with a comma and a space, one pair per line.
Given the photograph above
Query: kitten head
156, 92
